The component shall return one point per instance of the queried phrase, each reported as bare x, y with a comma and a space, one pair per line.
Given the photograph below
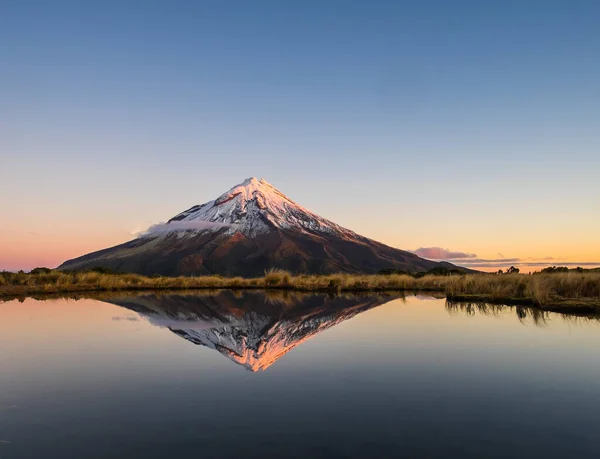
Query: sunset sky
467, 129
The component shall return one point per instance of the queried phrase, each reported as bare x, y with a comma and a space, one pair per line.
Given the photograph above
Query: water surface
230, 375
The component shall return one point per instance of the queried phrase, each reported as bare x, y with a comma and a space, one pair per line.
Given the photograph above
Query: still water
227, 375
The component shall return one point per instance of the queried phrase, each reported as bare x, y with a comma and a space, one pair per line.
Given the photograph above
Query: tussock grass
539, 317
277, 277
538, 289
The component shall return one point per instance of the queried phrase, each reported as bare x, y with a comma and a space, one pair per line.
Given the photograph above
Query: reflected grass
526, 314
559, 292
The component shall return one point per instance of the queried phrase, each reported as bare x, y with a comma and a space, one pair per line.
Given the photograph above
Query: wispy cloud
182, 226
438, 253
30, 233
127, 318
478, 261
499, 263
183, 324
470, 260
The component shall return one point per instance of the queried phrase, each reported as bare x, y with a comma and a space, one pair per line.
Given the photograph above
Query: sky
448, 128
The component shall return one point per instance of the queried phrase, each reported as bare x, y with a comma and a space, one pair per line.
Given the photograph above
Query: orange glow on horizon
27, 250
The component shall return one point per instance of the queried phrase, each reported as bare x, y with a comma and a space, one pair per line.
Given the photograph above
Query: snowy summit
255, 206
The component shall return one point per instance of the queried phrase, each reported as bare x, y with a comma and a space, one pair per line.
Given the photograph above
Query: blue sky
473, 126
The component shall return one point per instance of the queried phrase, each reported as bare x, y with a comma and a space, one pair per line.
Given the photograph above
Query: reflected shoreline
255, 328
538, 316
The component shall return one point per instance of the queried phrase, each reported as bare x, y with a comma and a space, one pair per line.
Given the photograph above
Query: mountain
245, 231
251, 329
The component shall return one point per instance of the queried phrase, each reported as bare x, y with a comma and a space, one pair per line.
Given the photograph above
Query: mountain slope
250, 228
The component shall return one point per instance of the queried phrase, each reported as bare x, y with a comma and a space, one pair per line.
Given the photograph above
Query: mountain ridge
251, 228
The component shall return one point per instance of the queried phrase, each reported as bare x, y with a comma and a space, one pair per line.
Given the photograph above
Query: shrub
276, 277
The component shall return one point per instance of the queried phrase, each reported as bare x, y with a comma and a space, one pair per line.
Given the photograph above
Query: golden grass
538, 289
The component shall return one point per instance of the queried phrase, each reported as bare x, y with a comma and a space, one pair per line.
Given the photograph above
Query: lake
245, 374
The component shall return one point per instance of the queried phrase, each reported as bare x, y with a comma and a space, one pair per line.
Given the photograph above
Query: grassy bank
552, 291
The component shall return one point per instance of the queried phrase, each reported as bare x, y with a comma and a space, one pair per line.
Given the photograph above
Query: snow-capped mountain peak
251, 228
254, 207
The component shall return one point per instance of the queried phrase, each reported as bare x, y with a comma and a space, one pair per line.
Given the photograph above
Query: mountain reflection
253, 329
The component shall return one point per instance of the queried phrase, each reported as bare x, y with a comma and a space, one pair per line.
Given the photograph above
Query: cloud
500, 263
469, 260
128, 318
438, 253
182, 226
566, 263
476, 261
184, 324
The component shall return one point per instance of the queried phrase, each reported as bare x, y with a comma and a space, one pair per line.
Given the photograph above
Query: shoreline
558, 292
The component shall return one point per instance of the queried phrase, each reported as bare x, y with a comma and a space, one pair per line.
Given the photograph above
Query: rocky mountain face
251, 329
245, 231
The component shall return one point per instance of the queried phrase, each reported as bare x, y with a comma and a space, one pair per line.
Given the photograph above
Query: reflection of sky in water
409, 378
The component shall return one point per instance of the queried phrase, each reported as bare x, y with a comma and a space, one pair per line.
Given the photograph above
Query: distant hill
251, 228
